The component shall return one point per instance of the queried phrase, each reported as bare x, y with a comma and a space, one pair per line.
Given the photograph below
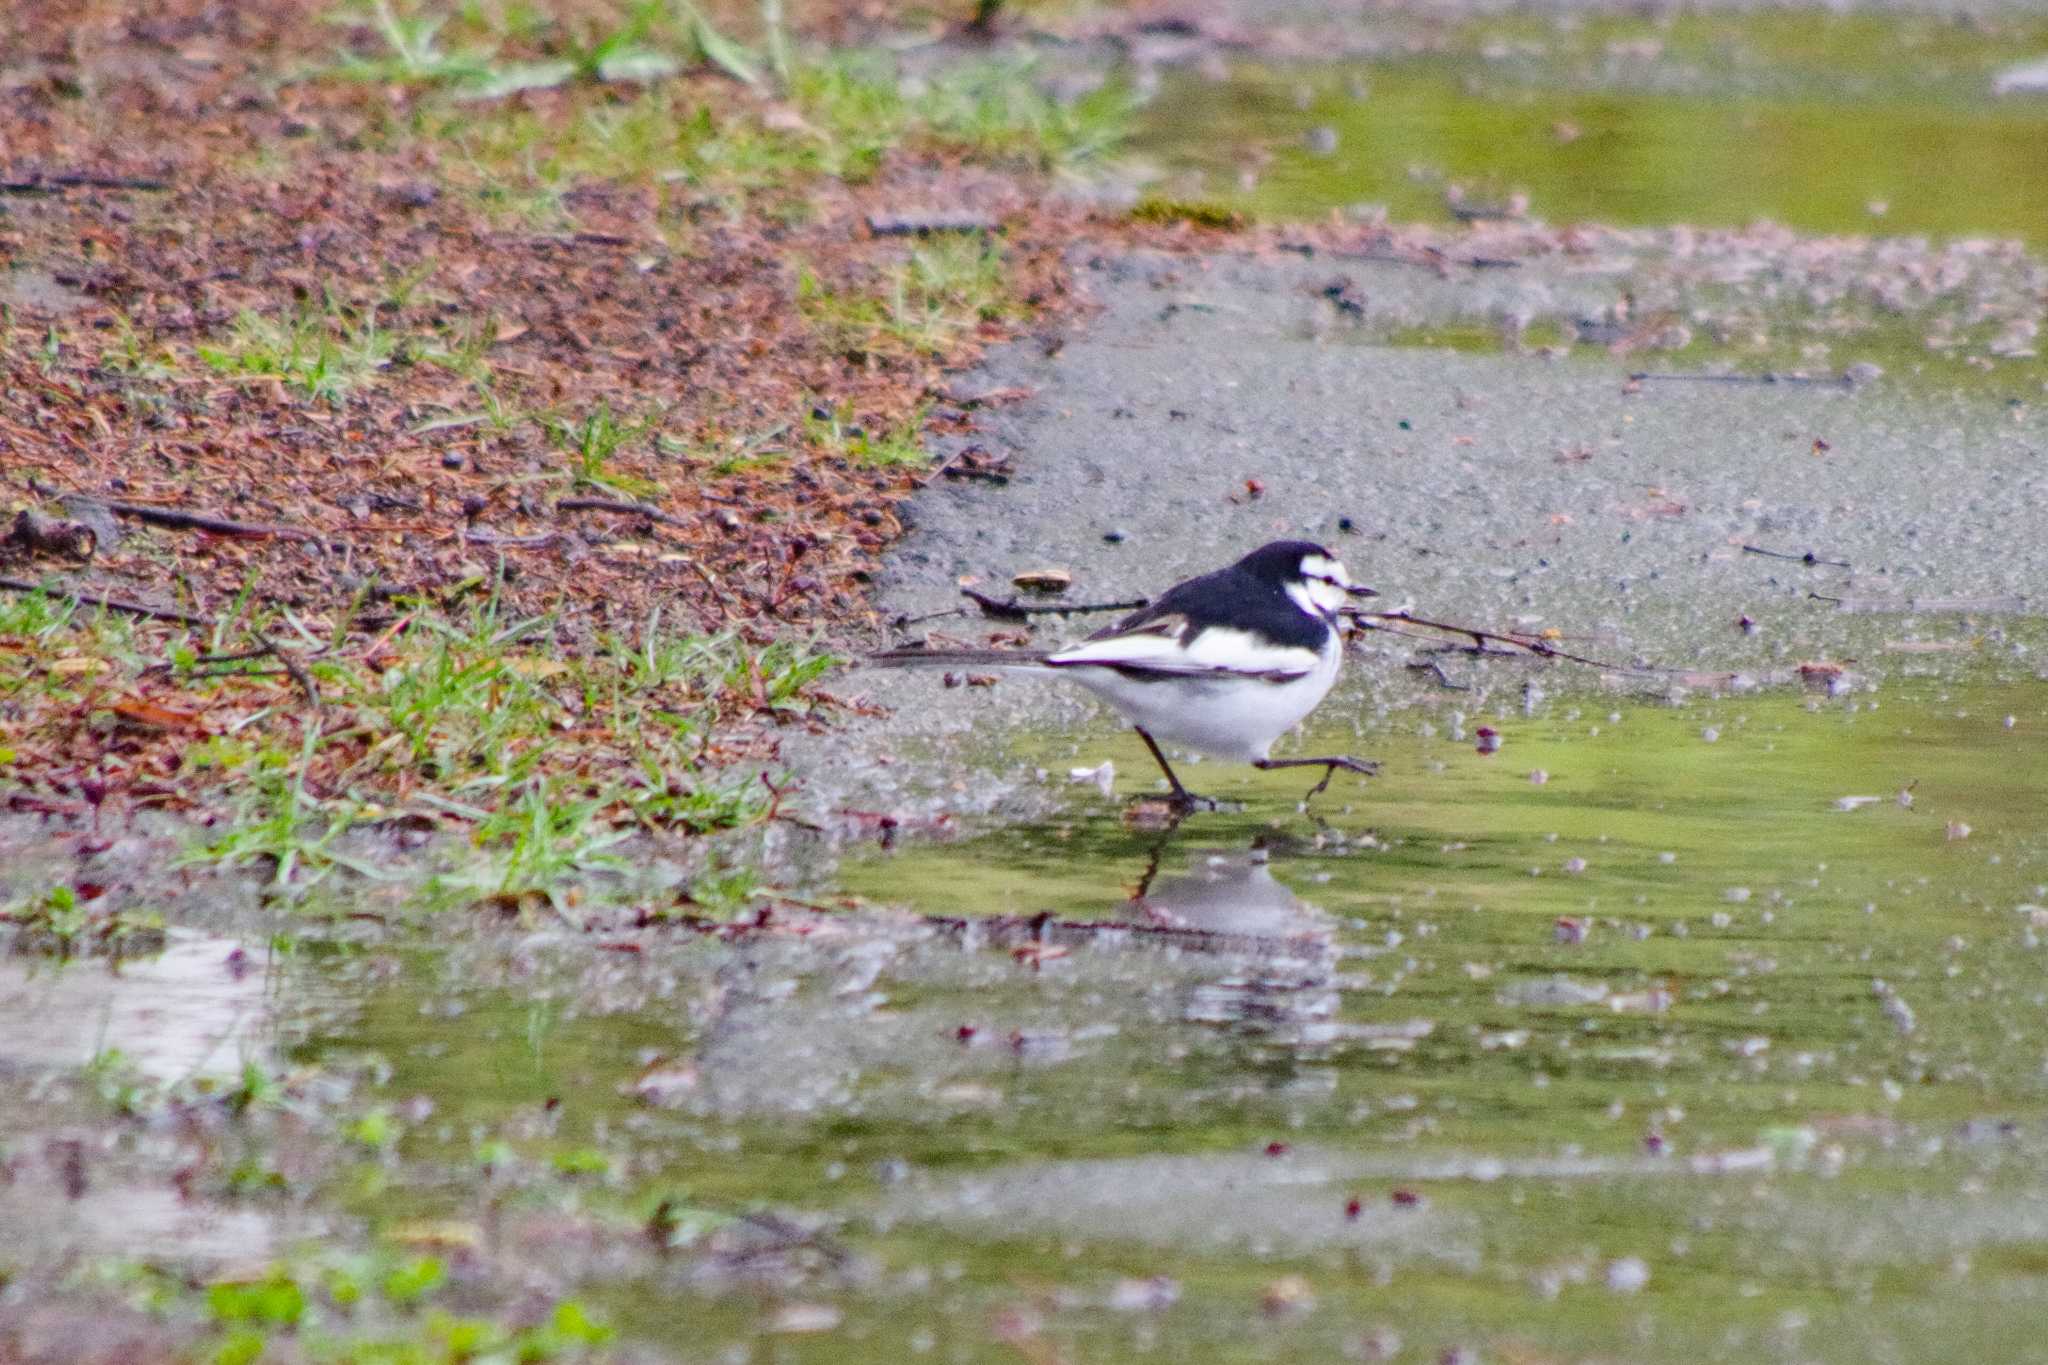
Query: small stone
1322, 140
1144, 1296
1116, 537
1627, 1275
797, 1318
412, 194
1288, 1296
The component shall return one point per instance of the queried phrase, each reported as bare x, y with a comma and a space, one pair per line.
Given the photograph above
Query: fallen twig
110, 603
636, 509
78, 180
1436, 669
971, 462
298, 671
1808, 558
1427, 259
1045, 927
1839, 381
571, 239
924, 224
201, 521
1480, 638
213, 665
1011, 609
473, 535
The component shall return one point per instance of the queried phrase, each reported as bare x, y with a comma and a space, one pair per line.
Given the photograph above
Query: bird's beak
1359, 590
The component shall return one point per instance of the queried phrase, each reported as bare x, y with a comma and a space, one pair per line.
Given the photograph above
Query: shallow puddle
200, 1007
1826, 123
1664, 1030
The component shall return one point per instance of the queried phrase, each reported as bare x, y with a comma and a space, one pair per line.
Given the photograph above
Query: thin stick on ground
298, 671
183, 618
177, 519
1809, 557
1834, 381
1011, 609
1480, 638
636, 509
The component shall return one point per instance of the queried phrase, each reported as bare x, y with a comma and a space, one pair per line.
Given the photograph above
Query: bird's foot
1364, 767
1167, 809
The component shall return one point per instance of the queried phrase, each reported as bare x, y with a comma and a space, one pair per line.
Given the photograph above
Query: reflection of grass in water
1588, 137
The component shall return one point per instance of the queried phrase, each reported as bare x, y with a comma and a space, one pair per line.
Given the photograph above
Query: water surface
1825, 123
1721, 1038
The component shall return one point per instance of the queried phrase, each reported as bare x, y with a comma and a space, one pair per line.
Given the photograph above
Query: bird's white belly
1234, 718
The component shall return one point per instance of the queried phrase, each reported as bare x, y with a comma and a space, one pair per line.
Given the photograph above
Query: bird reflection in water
1284, 986
1272, 957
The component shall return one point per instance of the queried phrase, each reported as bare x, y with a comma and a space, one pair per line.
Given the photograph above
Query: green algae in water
1844, 124
1602, 1063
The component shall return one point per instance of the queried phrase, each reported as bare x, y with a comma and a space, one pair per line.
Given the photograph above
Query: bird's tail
915, 656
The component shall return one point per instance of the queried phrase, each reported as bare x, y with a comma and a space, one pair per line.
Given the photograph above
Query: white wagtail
1224, 664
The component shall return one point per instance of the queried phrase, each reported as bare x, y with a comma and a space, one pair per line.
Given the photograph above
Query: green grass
391, 1306
546, 759
53, 646
842, 116
542, 843
927, 302
325, 353
838, 435
61, 923
282, 826
651, 40
592, 441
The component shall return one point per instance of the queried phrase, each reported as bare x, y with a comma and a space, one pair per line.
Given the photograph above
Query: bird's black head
1306, 572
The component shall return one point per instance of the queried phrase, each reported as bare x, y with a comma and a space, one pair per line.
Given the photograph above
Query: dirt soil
273, 341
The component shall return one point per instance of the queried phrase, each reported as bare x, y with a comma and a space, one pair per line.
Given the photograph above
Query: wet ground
1827, 122
1712, 1040
1697, 1021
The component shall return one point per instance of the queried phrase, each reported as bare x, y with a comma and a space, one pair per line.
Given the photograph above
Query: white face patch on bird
1324, 586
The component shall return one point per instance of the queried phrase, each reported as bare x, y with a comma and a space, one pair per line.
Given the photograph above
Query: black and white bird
1223, 664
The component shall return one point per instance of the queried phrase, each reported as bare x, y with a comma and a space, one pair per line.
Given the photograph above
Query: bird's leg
1181, 797
1365, 766
1151, 868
